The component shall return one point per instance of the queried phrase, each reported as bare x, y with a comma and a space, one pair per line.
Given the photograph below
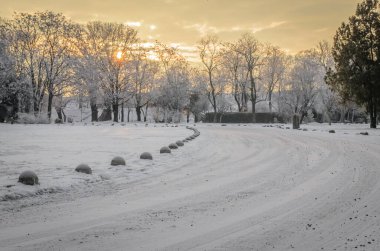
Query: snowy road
232, 188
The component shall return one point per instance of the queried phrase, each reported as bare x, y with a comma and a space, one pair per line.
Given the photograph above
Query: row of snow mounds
30, 178
180, 143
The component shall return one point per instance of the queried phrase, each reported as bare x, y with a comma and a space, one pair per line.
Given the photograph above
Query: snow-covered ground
236, 187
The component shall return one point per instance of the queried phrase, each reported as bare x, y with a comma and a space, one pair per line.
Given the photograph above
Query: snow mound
118, 161
28, 178
165, 149
173, 146
83, 168
179, 143
146, 155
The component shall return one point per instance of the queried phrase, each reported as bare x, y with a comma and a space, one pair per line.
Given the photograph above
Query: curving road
232, 188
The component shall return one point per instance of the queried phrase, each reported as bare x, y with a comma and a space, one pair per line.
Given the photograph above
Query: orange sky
293, 25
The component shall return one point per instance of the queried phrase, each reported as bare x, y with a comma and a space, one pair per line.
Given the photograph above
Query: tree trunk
372, 114
122, 112
115, 109
35, 94
146, 112
64, 115
244, 100
213, 96
253, 100
214, 106
59, 112
270, 101
303, 114
237, 97
342, 114
106, 114
94, 109
195, 118
296, 121
129, 112
27, 104
138, 112
50, 104
187, 116
36, 106
253, 94
94, 112
329, 117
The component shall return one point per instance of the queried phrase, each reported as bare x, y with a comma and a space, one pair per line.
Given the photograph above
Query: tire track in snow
235, 199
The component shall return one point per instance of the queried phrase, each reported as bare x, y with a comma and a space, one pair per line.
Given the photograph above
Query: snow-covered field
236, 187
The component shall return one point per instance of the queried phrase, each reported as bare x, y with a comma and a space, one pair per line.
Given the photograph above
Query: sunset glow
119, 55
290, 24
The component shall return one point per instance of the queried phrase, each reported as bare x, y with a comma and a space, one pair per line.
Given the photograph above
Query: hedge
243, 117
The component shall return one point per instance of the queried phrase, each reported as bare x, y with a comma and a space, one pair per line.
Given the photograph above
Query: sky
293, 25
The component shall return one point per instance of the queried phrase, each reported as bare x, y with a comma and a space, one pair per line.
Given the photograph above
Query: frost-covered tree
141, 78
237, 77
329, 99
198, 102
110, 45
210, 55
303, 84
174, 82
87, 71
273, 71
57, 33
24, 37
251, 50
13, 88
41, 44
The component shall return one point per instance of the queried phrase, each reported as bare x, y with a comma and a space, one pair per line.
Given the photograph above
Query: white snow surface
235, 187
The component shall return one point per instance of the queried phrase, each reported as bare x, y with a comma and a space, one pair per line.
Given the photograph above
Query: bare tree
237, 76
209, 52
142, 72
273, 71
251, 49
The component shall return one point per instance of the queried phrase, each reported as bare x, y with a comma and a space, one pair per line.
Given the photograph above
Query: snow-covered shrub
165, 149
179, 143
118, 161
83, 168
332, 131
70, 120
28, 178
173, 146
146, 155
26, 118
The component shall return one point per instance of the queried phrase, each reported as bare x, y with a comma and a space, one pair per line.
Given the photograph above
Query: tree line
45, 57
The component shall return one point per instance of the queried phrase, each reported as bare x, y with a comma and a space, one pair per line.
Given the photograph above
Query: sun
119, 54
